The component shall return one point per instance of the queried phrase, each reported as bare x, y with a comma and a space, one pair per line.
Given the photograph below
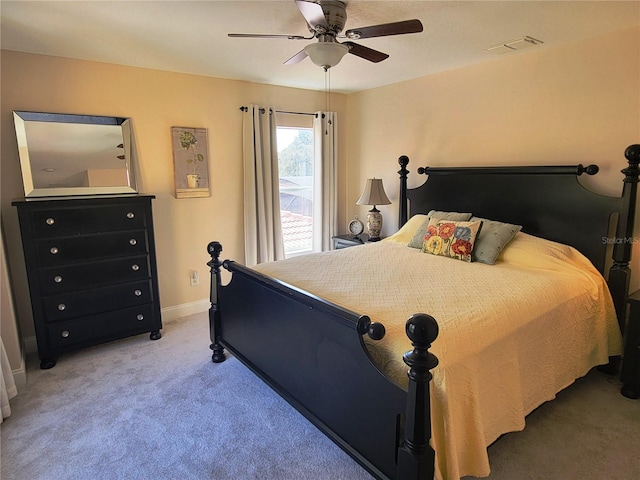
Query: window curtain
262, 226
325, 180
8, 388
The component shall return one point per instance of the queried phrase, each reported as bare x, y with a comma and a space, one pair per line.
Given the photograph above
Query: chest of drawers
91, 268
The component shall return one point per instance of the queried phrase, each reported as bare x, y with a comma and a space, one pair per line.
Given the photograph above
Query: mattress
512, 334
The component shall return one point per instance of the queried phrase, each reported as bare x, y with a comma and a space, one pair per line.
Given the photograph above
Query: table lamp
374, 195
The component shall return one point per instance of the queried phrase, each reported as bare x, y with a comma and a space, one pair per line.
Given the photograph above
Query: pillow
451, 239
406, 232
492, 240
418, 237
531, 251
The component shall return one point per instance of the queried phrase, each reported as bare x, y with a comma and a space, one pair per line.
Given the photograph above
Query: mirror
64, 154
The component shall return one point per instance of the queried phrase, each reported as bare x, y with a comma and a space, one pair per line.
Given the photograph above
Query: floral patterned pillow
451, 239
418, 237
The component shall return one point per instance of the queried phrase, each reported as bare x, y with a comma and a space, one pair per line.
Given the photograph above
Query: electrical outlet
195, 278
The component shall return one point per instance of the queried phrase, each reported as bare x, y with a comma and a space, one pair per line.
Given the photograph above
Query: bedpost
416, 458
620, 273
215, 249
402, 215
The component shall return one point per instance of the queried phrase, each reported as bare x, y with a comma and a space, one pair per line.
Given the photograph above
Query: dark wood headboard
548, 201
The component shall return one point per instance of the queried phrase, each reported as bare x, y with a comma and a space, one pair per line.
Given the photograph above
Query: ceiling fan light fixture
326, 55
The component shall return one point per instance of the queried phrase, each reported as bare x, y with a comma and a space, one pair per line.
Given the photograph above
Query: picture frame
191, 162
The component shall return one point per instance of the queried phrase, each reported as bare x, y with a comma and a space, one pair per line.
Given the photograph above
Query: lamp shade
373, 193
326, 55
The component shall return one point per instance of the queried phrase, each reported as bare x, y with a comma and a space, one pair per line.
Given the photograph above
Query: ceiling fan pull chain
327, 92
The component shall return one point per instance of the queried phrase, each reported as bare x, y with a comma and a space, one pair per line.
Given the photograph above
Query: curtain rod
246, 109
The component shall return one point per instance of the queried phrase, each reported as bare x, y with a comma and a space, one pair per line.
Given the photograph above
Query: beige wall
156, 101
578, 103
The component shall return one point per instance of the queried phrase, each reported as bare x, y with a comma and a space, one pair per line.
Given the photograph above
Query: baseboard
178, 311
20, 374
30, 345
169, 314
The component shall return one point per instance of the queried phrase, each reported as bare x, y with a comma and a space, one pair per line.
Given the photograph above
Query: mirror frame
30, 190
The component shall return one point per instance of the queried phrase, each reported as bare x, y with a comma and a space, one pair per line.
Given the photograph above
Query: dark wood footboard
312, 353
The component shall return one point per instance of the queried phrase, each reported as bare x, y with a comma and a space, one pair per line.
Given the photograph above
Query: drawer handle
137, 293
50, 221
54, 250
130, 215
135, 267
57, 279
65, 333
140, 317
62, 307
133, 242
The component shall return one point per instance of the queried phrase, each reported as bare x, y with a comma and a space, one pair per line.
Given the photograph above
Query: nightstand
348, 240
630, 375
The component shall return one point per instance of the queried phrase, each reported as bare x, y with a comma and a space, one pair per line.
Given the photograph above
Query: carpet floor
160, 410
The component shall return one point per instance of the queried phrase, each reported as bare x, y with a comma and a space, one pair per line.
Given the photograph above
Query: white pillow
407, 231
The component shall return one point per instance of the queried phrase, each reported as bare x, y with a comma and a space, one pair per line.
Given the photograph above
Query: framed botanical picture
190, 162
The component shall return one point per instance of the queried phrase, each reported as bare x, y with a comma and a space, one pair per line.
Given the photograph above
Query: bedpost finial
632, 154
422, 330
214, 249
403, 203
416, 457
404, 171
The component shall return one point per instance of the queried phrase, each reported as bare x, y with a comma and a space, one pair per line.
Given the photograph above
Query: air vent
513, 45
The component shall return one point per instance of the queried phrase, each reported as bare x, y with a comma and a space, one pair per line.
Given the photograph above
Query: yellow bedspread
512, 334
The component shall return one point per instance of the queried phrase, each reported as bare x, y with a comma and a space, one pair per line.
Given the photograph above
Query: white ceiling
191, 36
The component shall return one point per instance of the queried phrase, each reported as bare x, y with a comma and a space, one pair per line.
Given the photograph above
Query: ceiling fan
325, 20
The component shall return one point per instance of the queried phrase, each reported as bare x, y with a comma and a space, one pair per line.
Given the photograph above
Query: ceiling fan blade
260, 35
396, 28
313, 14
297, 58
365, 52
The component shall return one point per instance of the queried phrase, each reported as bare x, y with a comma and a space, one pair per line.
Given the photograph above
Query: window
295, 166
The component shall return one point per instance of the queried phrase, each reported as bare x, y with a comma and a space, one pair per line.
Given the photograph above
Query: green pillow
492, 240
418, 237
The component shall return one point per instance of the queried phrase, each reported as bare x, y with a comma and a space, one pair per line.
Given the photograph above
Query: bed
326, 331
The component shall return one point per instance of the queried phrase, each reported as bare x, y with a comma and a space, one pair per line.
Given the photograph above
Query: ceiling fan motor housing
335, 12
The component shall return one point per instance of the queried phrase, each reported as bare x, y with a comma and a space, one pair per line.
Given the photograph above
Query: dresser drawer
62, 250
76, 221
69, 278
90, 302
105, 325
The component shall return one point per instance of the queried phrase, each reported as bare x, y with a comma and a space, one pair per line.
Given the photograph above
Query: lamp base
374, 224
